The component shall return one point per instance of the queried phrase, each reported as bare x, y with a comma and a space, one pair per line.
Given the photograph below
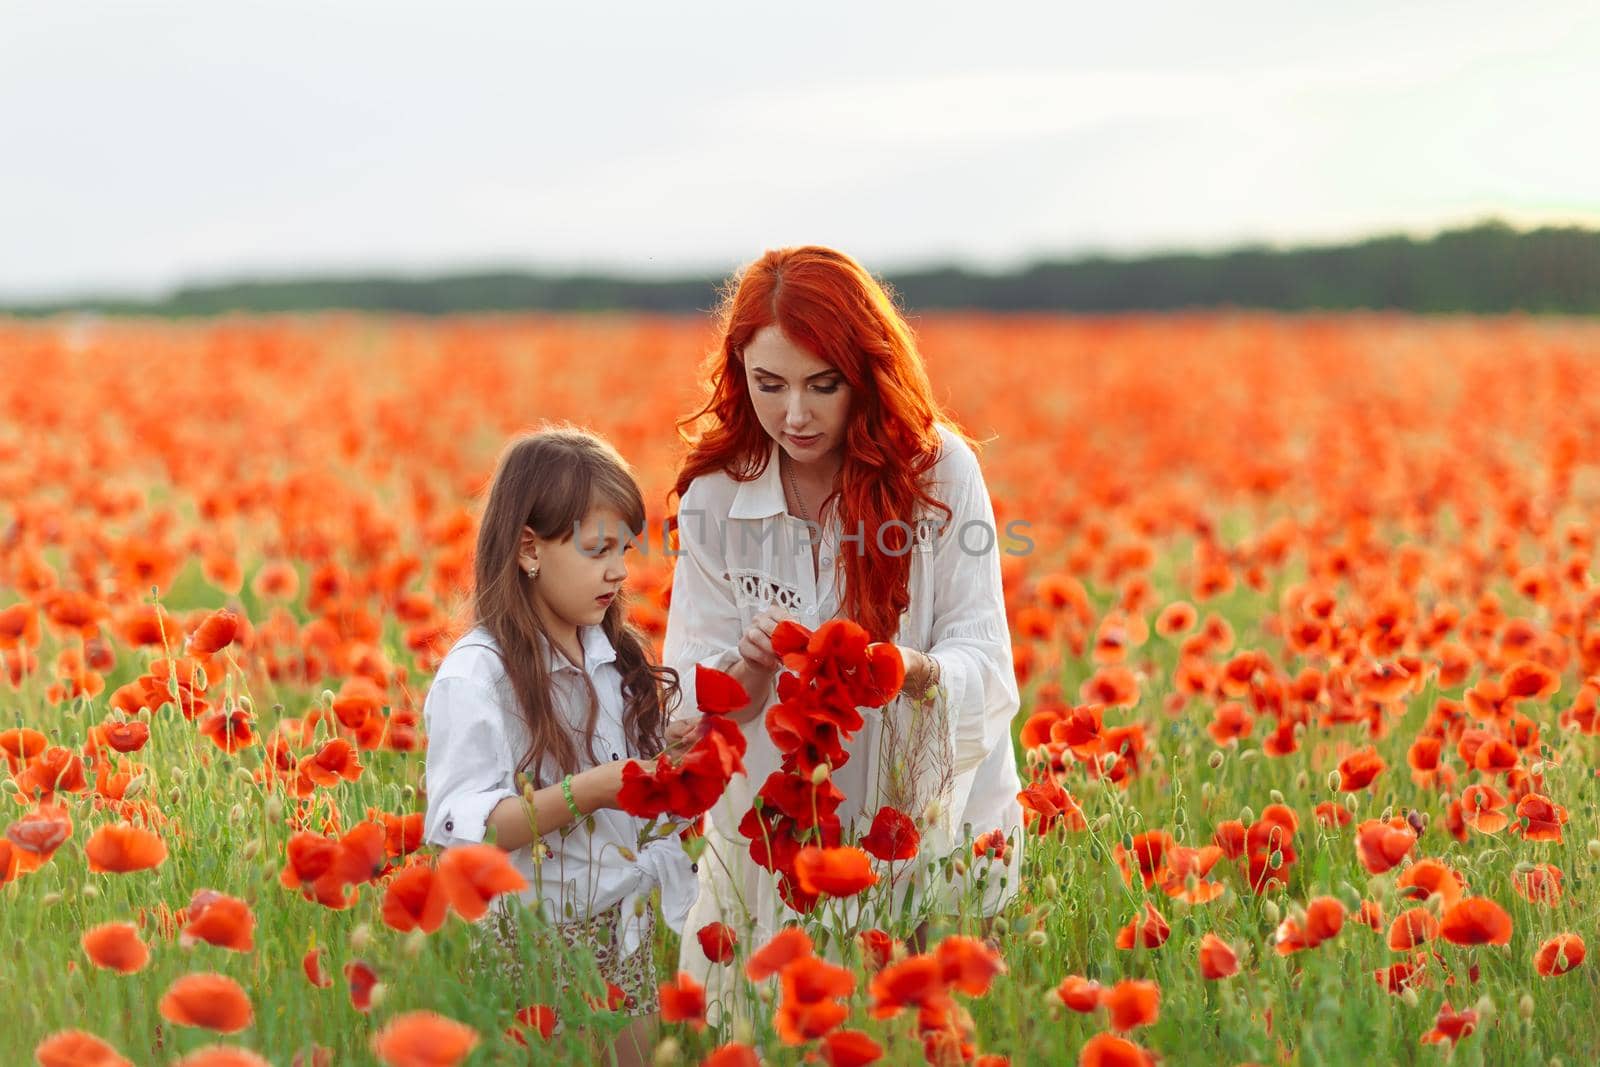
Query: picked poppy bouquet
793, 824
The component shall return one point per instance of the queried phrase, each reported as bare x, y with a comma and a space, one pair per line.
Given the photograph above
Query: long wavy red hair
828, 304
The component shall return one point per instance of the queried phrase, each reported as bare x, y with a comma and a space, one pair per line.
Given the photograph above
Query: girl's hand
681, 733
755, 647
598, 786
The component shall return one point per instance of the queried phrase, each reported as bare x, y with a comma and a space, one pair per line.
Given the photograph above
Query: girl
827, 482
552, 683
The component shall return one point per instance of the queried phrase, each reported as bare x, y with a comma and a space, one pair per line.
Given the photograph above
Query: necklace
795, 488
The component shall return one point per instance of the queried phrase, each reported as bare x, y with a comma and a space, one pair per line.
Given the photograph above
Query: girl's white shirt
476, 737
952, 769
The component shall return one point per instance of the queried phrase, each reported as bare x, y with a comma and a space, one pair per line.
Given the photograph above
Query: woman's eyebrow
830, 372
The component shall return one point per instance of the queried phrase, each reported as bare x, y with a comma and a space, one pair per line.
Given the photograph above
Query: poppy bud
91, 891
1594, 849
1052, 888
236, 813
1350, 803
246, 703
1485, 1009
10, 786
627, 853
744, 1030
135, 787
252, 848
1409, 995
244, 775
360, 937
1247, 815
1217, 759
1270, 909
1038, 938
1525, 1006
379, 991
326, 697
960, 866
50, 899
274, 808
1333, 781
819, 773
1276, 795
640, 903
1250, 755
667, 1053
174, 794
414, 943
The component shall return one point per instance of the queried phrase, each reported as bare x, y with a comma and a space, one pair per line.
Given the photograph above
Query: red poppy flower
893, 836
718, 942
116, 947
1559, 955
473, 875
423, 1039
123, 847
683, 1000
220, 920
1079, 993
1476, 921
213, 1001
1217, 958
1132, 1004
416, 899
836, 872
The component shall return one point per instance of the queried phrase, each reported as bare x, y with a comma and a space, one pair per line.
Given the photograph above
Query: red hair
826, 303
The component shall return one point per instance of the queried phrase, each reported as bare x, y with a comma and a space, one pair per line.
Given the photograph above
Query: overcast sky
151, 143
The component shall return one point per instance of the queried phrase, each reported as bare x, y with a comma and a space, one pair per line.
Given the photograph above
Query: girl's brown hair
548, 481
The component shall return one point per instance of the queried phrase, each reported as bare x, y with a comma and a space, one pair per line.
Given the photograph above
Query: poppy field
1306, 626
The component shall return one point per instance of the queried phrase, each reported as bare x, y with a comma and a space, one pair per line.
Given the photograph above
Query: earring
533, 572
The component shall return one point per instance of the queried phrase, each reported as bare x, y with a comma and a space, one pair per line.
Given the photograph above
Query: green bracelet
572, 805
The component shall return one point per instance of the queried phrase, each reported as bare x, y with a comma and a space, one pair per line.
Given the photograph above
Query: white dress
952, 768
476, 735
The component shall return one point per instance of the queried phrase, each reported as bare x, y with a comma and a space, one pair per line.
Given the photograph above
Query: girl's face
579, 578
802, 402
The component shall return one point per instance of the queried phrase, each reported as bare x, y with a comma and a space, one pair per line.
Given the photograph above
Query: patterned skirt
555, 953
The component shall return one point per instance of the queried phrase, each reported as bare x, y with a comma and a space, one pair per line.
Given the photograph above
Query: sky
153, 144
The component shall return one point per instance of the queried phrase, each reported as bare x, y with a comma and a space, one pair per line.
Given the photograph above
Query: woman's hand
919, 670
755, 647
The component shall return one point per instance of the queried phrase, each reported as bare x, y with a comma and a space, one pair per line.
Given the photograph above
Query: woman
825, 483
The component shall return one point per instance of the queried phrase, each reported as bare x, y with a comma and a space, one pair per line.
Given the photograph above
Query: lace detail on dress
753, 589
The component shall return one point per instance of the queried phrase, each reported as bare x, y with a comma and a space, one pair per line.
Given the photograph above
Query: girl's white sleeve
970, 638
468, 767
703, 624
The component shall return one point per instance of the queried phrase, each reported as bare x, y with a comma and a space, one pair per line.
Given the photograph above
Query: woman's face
802, 402
579, 578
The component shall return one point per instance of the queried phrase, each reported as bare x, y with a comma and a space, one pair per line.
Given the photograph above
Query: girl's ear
528, 548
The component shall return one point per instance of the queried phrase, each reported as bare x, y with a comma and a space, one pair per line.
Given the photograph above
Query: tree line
1484, 268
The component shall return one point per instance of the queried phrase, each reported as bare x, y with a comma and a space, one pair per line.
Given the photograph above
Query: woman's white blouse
476, 737
741, 552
